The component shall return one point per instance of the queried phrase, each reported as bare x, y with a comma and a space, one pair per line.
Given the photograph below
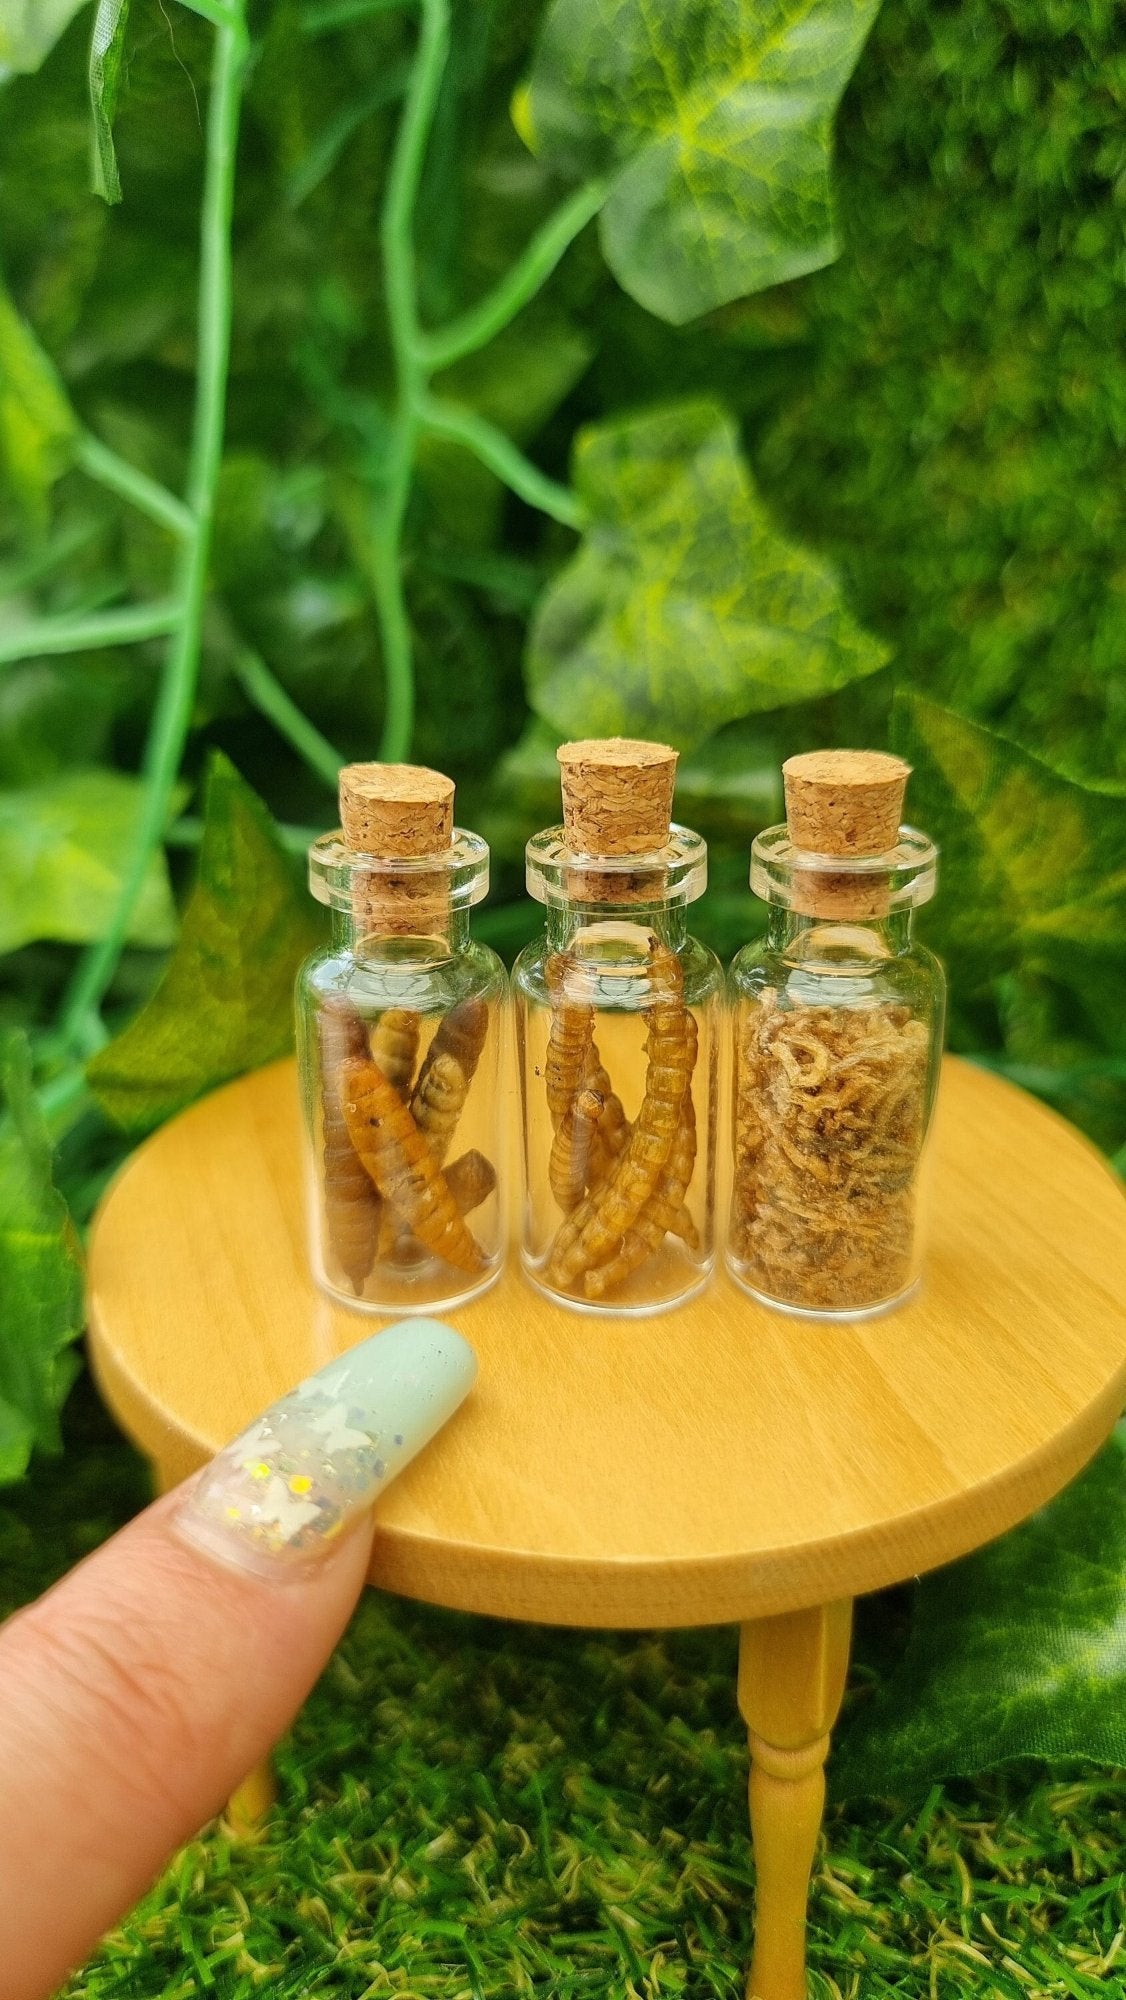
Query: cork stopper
617, 794
846, 803
617, 801
398, 812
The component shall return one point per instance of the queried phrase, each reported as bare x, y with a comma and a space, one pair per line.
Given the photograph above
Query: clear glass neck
377, 947
615, 899
407, 910
833, 907
614, 927
837, 941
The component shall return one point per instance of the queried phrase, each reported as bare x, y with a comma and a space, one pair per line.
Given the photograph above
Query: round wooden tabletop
717, 1463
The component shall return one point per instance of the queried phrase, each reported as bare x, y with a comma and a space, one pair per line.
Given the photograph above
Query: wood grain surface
720, 1462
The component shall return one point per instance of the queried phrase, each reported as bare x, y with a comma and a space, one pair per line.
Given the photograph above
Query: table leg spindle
792, 1672
251, 1800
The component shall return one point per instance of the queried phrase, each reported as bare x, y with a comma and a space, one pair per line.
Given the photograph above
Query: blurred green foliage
40, 1273
880, 501
224, 1003
1017, 1651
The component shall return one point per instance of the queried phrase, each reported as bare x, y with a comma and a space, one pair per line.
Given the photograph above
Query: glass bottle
837, 1017
617, 1021
400, 1025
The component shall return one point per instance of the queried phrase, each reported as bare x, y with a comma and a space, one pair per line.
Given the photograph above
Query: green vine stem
475, 328
78, 632
418, 355
121, 478
272, 701
176, 695
406, 346
495, 449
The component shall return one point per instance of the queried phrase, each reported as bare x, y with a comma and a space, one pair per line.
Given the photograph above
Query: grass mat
472, 1809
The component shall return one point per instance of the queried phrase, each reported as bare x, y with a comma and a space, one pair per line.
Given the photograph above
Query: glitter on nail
301, 1474
313, 1464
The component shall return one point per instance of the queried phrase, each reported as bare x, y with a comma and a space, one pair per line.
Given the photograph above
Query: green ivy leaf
684, 608
29, 30
37, 423
107, 46
1034, 864
225, 1003
1019, 1651
715, 126
64, 845
40, 1274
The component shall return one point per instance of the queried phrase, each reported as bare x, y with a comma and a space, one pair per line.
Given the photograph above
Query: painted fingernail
282, 1493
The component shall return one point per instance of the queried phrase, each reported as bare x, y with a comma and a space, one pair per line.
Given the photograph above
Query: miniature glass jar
838, 1017
400, 1031
617, 1013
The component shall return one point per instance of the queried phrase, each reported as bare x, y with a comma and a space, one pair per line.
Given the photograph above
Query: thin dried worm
400, 1162
471, 1179
613, 1131
568, 1042
394, 1046
351, 1203
568, 1168
461, 1036
436, 1106
663, 1212
437, 1103
593, 1234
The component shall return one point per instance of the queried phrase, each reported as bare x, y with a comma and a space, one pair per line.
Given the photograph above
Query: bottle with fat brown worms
837, 1018
399, 1033
617, 1022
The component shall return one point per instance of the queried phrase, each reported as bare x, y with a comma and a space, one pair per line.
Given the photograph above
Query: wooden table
718, 1463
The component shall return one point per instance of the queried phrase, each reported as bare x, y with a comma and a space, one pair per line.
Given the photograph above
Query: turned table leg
251, 1800
792, 1673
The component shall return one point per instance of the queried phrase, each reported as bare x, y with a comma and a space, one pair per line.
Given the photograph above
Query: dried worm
394, 1046
351, 1203
593, 1234
665, 1210
400, 1163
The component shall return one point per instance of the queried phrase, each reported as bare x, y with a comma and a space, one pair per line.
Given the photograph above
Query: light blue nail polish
283, 1492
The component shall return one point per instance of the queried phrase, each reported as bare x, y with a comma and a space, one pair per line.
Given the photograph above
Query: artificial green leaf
684, 608
37, 423
1019, 1651
64, 848
714, 125
15, 1443
29, 30
1034, 864
107, 46
44, 730
225, 1003
40, 1274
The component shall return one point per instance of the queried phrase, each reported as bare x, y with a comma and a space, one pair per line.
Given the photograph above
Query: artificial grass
471, 1810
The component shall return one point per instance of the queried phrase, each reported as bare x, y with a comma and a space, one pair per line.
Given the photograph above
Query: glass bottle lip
556, 874
909, 869
335, 871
